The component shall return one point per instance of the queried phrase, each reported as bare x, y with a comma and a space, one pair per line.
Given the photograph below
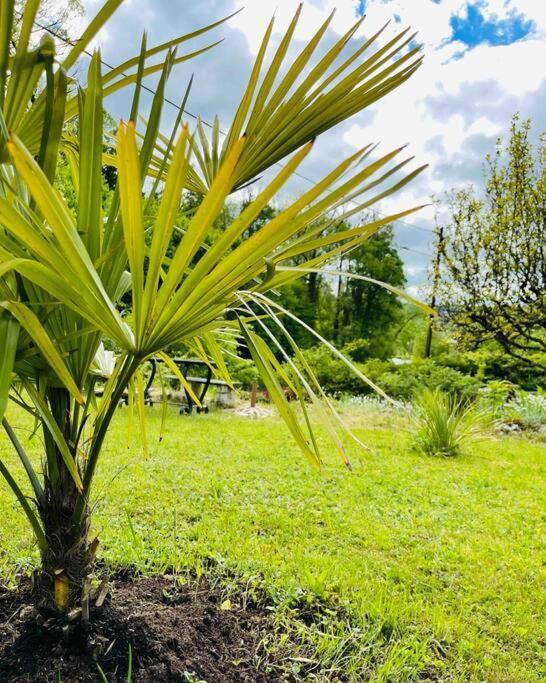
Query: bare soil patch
176, 633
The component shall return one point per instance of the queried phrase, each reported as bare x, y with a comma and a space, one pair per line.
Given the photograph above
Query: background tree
494, 255
344, 309
300, 297
55, 15
365, 311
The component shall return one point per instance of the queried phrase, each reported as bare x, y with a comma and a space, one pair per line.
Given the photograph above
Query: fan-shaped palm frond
280, 113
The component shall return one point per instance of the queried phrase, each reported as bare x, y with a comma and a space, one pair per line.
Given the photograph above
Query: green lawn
429, 569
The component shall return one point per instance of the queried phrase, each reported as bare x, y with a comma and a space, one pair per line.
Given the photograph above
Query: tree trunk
60, 582
68, 559
313, 286
66, 562
337, 312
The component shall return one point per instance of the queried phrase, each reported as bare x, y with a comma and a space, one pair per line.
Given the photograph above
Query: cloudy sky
484, 60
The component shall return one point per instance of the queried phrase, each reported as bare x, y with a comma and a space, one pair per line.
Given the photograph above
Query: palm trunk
66, 560
68, 557
66, 563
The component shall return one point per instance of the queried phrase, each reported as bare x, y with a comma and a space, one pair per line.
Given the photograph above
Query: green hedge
458, 373
398, 381
408, 380
488, 364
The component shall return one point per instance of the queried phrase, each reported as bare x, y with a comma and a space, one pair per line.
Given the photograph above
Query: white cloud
415, 270
440, 111
450, 112
255, 17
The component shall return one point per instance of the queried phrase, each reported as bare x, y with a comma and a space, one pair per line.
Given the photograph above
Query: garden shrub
358, 349
400, 382
406, 381
334, 376
489, 364
496, 394
242, 370
528, 410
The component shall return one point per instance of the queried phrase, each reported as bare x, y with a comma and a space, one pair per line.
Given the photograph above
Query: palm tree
63, 272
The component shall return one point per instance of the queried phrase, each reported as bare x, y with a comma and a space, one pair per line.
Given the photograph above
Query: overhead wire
184, 110
196, 117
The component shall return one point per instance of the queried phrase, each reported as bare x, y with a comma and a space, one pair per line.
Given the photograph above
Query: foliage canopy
494, 252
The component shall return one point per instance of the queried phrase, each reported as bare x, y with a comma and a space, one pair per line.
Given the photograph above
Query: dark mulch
177, 633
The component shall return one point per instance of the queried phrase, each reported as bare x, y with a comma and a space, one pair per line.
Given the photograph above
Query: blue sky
482, 64
473, 28
472, 25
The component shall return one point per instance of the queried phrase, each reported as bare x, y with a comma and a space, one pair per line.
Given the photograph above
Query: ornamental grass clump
445, 425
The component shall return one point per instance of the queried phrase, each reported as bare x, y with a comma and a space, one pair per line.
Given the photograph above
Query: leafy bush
400, 382
490, 364
242, 370
445, 424
379, 345
496, 394
358, 349
375, 369
528, 410
334, 375
406, 381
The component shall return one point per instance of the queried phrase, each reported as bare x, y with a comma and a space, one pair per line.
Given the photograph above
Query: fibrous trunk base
60, 583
